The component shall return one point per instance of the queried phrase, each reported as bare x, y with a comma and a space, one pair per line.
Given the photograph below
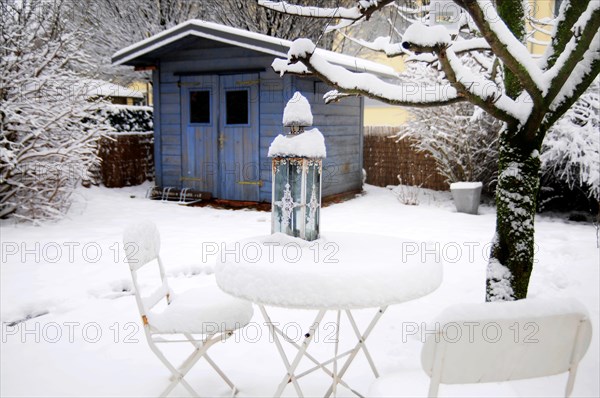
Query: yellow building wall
144, 88
540, 9
385, 116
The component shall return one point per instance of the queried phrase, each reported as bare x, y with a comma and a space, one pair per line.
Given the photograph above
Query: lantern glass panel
313, 199
287, 195
296, 197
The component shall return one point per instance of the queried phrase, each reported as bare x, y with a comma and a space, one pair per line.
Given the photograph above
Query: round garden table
339, 272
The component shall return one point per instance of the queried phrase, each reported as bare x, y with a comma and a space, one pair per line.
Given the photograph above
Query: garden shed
218, 105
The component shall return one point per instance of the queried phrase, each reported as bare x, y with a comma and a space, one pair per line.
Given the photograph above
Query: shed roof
145, 52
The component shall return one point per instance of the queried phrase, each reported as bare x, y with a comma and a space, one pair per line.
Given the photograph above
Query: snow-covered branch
506, 46
362, 10
582, 45
403, 93
480, 91
582, 75
380, 44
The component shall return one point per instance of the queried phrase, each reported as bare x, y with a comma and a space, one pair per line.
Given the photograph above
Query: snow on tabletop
426, 36
310, 144
465, 185
297, 112
337, 271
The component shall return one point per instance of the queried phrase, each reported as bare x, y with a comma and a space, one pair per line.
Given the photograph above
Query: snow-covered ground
82, 335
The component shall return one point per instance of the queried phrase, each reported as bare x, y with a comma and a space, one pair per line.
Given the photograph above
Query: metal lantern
297, 167
445, 13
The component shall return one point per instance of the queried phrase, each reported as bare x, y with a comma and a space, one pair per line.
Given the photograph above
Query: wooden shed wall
340, 123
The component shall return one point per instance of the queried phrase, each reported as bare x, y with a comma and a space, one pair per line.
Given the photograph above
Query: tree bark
512, 254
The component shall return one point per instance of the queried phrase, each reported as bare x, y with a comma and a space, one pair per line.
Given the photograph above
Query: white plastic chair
502, 341
201, 316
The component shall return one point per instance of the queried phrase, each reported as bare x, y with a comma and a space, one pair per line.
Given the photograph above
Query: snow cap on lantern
297, 113
297, 167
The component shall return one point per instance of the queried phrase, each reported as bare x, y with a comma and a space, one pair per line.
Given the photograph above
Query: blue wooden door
238, 141
200, 132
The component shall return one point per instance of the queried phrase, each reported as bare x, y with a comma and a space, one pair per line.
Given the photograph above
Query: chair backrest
501, 341
141, 242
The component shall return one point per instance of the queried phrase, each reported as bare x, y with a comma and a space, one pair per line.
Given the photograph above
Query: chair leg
436, 372
212, 340
571, 380
220, 372
177, 375
433, 389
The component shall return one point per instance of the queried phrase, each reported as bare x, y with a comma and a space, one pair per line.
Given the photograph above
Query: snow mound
426, 36
310, 144
297, 112
301, 48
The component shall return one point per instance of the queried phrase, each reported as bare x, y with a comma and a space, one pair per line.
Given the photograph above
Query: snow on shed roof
241, 38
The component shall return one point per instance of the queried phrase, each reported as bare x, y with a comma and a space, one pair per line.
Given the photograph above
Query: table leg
291, 368
363, 346
336, 380
360, 345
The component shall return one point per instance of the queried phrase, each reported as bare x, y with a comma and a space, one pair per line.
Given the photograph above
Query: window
200, 106
236, 103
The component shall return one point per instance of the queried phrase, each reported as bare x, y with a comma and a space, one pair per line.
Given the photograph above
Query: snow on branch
588, 67
577, 57
380, 44
363, 10
353, 13
507, 47
470, 45
405, 93
483, 92
423, 36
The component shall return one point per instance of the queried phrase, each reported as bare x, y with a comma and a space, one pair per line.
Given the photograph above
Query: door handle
221, 140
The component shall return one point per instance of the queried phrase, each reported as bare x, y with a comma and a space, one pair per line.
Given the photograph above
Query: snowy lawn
82, 336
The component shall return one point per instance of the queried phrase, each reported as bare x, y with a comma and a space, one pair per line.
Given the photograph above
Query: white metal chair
502, 341
202, 316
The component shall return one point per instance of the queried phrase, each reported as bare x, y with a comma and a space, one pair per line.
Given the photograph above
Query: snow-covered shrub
48, 130
129, 118
571, 149
462, 139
